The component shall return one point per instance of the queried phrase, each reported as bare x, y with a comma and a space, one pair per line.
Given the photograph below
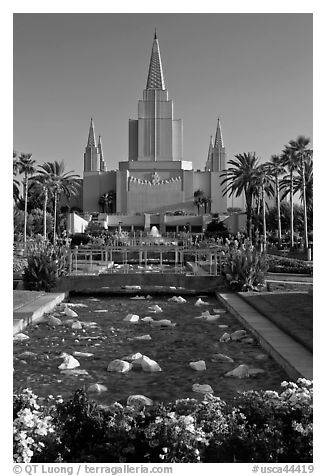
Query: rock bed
36, 359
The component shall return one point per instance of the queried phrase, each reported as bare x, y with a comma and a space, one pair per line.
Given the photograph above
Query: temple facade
156, 178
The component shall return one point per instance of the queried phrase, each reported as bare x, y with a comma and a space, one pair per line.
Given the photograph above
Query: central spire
155, 79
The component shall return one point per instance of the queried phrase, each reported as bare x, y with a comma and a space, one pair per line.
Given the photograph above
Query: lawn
291, 311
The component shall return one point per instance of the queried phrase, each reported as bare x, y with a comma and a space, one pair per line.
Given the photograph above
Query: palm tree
298, 182
264, 187
289, 160
15, 181
276, 169
301, 151
205, 201
60, 183
112, 196
198, 199
42, 183
26, 167
241, 178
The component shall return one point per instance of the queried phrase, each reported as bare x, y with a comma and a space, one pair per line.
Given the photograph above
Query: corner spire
91, 135
218, 138
155, 79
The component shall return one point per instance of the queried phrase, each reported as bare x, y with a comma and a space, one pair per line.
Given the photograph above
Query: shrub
259, 426
45, 264
34, 430
244, 268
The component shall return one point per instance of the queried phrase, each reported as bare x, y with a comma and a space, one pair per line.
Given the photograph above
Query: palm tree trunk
249, 216
304, 203
25, 209
278, 205
44, 212
55, 217
264, 218
291, 205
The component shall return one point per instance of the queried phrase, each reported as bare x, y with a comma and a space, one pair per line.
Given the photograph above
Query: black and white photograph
163, 247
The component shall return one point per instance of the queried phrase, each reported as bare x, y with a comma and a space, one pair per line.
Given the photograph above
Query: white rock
132, 357
74, 372
76, 325
147, 364
137, 297
148, 296
242, 371
219, 311
205, 388
177, 299
82, 354
69, 362
89, 325
147, 319
155, 308
97, 388
144, 337
223, 326
54, 321
199, 365
131, 287
139, 401
70, 304
26, 354
101, 310
238, 335
69, 312
221, 358
212, 318
163, 323
120, 366
131, 318
199, 302
20, 336
225, 337
205, 313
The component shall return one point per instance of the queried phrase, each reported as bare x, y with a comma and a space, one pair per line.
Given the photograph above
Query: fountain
155, 236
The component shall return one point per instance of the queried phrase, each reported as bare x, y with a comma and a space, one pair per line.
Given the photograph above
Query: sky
253, 70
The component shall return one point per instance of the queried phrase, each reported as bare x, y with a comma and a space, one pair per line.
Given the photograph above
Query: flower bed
259, 426
288, 265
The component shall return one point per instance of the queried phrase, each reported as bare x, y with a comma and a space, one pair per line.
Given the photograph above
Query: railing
92, 260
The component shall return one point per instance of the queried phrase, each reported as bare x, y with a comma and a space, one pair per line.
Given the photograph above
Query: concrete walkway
293, 357
29, 306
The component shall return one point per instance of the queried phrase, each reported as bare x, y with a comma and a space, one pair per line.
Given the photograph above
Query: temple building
156, 178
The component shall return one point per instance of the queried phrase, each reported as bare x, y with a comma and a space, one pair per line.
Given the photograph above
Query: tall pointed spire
155, 79
218, 138
91, 135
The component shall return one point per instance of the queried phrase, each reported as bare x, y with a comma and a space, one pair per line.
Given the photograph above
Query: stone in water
69, 362
205, 388
131, 318
139, 401
97, 388
238, 335
82, 354
147, 364
200, 302
225, 337
199, 365
19, 337
69, 312
120, 366
242, 371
